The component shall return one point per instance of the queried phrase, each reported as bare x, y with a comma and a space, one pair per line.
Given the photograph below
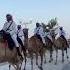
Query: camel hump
34, 38
61, 39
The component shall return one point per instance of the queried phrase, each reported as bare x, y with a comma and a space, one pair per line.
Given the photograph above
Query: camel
10, 56
49, 47
60, 44
35, 46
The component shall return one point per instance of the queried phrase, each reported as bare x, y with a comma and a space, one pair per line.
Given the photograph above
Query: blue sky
39, 10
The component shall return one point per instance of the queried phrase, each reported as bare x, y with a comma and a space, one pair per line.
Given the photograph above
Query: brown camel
49, 46
10, 56
60, 44
35, 46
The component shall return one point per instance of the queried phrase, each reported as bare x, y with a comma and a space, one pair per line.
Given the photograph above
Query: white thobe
12, 30
20, 35
39, 31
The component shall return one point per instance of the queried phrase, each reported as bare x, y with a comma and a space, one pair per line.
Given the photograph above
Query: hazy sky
36, 10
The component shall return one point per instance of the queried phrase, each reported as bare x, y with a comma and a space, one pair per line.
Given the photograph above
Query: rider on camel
39, 32
20, 37
11, 28
62, 34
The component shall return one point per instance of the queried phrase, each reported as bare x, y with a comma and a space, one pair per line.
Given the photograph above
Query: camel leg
51, 55
31, 61
67, 54
36, 59
25, 64
56, 55
18, 67
9, 67
41, 60
62, 55
44, 58
41, 55
25, 60
15, 67
51, 59
25, 54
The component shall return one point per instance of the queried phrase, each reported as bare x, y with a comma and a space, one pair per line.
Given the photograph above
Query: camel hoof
52, 59
36, 63
40, 67
20, 68
55, 63
67, 57
45, 62
62, 61
49, 61
24, 69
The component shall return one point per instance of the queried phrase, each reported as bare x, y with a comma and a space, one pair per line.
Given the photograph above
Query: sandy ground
47, 66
